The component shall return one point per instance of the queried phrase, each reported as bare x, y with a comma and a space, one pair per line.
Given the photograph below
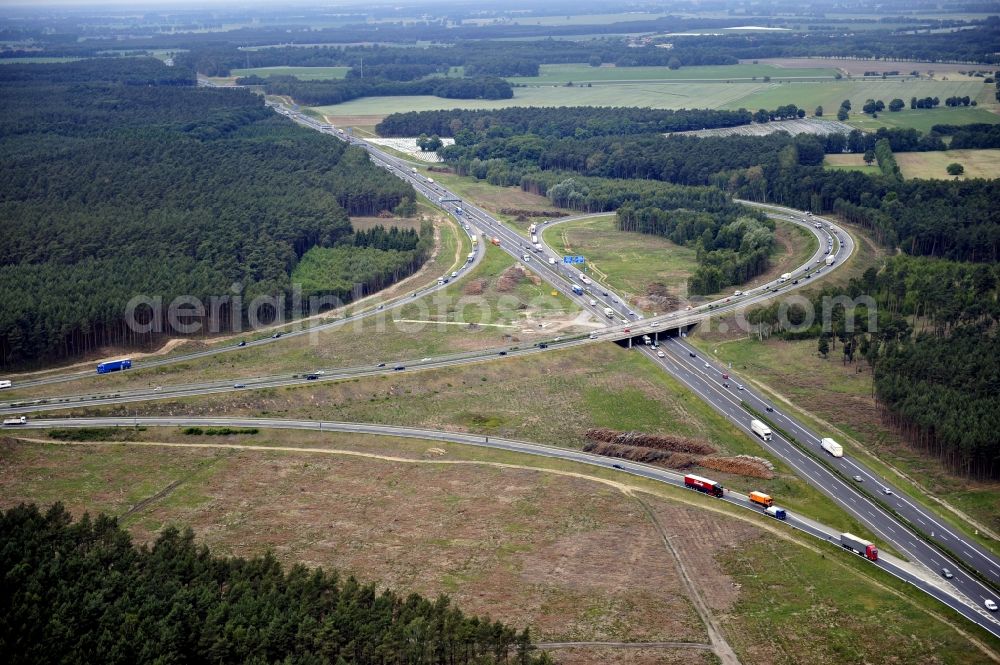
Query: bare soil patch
525, 546
587, 656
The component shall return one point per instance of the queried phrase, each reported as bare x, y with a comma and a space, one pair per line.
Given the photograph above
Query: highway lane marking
795, 451
864, 471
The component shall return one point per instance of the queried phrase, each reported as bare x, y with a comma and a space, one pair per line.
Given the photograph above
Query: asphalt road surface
868, 503
892, 565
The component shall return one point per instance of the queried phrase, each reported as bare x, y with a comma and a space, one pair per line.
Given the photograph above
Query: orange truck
496, 241
761, 499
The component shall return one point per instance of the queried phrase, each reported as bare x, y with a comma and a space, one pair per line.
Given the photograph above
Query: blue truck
577, 290
114, 366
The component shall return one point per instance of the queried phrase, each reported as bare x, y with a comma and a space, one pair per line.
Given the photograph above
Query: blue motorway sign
573, 259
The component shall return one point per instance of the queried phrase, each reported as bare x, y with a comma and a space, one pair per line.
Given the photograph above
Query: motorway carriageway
892, 565
513, 243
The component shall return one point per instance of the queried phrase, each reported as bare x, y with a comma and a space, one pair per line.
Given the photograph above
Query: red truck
851, 542
703, 485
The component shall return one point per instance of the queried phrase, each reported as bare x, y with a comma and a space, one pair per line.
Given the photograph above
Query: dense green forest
373, 260
337, 91
82, 592
954, 219
119, 186
563, 122
932, 346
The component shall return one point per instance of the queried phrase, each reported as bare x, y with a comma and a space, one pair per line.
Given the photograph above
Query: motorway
703, 380
887, 562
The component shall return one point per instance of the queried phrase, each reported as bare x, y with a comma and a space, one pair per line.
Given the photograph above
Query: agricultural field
816, 126
575, 19
519, 538
851, 162
924, 119
583, 73
653, 95
857, 67
977, 163
830, 94
679, 93
305, 73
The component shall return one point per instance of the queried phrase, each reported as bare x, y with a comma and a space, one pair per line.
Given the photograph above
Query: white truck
830, 260
785, 277
430, 180
21, 420
471, 257
538, 247
760, 429
532, 228
5, 384
534, 239
832, 447
413, 170
585, 279
608, 312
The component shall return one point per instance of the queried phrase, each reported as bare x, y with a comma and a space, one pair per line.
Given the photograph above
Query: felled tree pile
673, 460
680, 444
741, 465
674, 452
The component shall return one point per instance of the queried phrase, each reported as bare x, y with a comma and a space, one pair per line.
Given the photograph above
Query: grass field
305, 73
578, 73
574, 19
977, 163
923, 119
849, 163
550, 398
681, 94
541, 545
653, 95
803, 625
631, 261
830, 94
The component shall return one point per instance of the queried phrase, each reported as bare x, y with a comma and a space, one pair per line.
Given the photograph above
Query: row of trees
337, 91
786, 112
119, 190
979, 135
83, 592
468, 126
